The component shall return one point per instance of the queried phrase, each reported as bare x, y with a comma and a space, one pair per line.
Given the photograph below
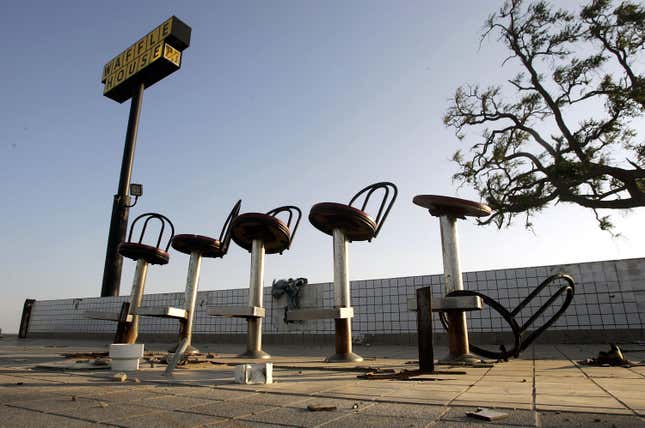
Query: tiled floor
546, 387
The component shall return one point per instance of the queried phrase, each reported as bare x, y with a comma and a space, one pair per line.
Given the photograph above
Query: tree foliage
562, 129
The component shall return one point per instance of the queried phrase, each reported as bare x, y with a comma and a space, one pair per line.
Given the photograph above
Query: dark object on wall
26, 316
521, 342
291, 287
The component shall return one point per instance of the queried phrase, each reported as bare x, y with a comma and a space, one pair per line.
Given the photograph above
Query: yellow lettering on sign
134, 52
119, 75
172, 54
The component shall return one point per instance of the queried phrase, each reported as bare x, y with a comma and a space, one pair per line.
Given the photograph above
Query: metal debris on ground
67, 365
249, 374
121, 377
319, 408
487, 414
612, 358
329, 368
408, 375
85, 355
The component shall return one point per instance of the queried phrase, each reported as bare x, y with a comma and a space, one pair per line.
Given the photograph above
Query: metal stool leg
342, 300
186, 329
131, 330
256, 295
459, 350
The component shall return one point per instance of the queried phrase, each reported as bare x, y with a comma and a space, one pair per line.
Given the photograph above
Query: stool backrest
149, 216
386, 202
291, 210
225, 234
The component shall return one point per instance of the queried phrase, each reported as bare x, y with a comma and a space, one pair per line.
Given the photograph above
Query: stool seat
136, 251
273, 232
446, 205
206, 246
357, 225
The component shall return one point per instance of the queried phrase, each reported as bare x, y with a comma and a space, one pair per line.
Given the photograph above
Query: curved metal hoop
149, 216
503, 312
225, 234
520, 344
385, 207
289, 209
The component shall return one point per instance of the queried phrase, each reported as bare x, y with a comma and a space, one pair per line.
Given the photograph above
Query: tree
535, 149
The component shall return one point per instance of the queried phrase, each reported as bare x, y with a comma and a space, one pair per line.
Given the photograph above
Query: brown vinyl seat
136, 251
454, 207
206, 246
273, 232
154, 255
356, 224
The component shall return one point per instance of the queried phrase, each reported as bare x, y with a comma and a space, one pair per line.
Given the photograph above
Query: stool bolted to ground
197, 246
143, 254
259, 234
448, 210
346, 223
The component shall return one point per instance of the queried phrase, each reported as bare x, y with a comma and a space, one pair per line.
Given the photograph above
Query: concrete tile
416, 397
13, 417
10, 395
515, 418
237, 423
515, 398
172, 402
582, 420
126, 396
479, 402
584, 409
54, 404
278, 400
588, 402
296, 416
100, 411
589, 390
229, 409
342, 405
360, 420
167, 420
501, 389
421, 411
207, 393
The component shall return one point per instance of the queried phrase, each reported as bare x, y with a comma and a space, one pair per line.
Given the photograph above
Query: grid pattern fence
609, 295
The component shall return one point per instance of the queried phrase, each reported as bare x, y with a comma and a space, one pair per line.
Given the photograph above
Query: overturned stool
143, 254
259, 234
448, 210
197, 246
346, 224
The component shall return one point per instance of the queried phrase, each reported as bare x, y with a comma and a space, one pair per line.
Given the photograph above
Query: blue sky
276, 103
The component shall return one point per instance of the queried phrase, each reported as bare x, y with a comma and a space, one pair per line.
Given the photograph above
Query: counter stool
143, 254
259, 234
197, 246
448, 210
346, 223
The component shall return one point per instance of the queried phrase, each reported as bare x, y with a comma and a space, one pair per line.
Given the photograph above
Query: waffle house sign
147, 61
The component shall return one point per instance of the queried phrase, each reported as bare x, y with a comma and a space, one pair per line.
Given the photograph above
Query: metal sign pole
120, 206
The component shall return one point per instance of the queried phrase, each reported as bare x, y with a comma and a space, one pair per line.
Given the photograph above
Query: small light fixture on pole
136, 190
